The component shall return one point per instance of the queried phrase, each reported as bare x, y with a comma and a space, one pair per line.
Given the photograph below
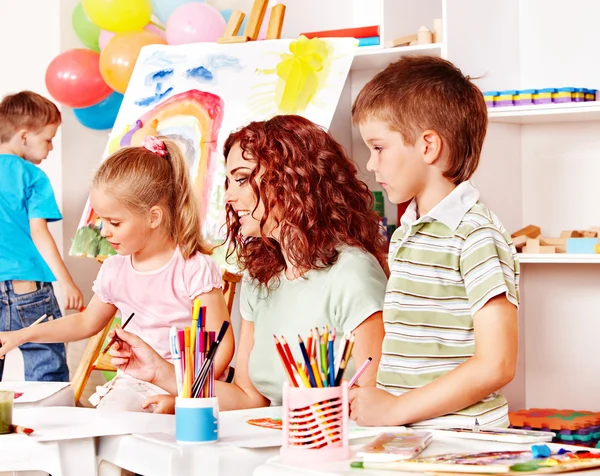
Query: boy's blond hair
26, 110
418, 93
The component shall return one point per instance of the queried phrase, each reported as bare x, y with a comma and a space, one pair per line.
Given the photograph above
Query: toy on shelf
572, 427
257, 15
366, 35
530, 240
423, 36
525, 97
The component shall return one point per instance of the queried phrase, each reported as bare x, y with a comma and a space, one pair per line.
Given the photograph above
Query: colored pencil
331, 365
309, 371
317, 374
286, 364
359, 372
286, 349
344, 362
114, 339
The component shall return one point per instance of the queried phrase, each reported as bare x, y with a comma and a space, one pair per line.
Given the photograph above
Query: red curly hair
307, 176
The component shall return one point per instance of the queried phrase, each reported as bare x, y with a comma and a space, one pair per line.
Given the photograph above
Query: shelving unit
370, 58
546, 113
558, 258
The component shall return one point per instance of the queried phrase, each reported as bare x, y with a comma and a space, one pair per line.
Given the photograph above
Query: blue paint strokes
160, 59
200, 73
224, 61
156, 97
159, 76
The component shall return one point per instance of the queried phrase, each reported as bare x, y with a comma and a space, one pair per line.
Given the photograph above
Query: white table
41, 394
439, 445
240, 449
64, 442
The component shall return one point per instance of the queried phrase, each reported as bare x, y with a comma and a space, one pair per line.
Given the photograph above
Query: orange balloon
120, 54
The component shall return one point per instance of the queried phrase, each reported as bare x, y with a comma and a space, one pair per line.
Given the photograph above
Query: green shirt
445, 266
341, 297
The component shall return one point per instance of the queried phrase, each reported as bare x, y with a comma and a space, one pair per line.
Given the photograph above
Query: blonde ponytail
142, 179
186, 217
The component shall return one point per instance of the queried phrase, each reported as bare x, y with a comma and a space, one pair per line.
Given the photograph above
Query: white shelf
546, 113
559, 258
378, 57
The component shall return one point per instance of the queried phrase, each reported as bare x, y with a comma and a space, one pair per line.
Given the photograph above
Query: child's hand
370, 406
164, 403
73, 295
11, 340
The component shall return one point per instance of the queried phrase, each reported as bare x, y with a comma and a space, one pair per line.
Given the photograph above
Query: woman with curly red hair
301, 225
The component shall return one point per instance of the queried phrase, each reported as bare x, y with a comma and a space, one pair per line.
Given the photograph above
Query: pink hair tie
155, 145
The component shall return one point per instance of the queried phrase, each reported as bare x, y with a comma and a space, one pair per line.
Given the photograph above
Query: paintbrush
20, 429
114, 338
203, 372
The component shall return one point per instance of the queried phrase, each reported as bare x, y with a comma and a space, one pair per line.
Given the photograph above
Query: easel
255, 21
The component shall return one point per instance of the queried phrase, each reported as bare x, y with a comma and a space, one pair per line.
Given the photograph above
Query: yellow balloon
119, 15
118, 57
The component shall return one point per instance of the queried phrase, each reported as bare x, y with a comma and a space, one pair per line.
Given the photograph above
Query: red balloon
73, 79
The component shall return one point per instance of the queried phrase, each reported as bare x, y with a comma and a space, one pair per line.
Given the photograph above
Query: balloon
86, 31
102, 115
193, 23
120, 54
73, 78
227, 13
162, 9
119, 15
105, 35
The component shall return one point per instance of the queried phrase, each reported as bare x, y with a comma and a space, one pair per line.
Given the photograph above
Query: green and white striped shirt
445, 266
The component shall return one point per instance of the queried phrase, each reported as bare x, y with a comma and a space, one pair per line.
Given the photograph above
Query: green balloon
85, 30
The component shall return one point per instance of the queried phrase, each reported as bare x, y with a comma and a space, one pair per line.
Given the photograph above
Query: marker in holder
315, 424
196, 420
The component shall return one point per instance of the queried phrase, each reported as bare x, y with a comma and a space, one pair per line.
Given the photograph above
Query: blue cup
196, 420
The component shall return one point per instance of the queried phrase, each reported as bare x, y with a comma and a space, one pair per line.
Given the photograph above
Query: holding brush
301, 224
149, 214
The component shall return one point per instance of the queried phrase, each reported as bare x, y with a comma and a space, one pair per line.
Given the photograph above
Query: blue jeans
42, 362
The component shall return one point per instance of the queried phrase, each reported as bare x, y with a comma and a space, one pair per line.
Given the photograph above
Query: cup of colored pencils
196, 406
315, 398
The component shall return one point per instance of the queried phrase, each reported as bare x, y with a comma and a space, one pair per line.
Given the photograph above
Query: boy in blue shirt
29, 258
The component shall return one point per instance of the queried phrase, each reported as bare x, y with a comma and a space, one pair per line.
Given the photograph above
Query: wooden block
590, 234
438, 34
256, 18
532, 246
276, 22
530, 231
233, 39
424, 36
520, 241
233, 25
553, 241
547, 249
405, 40
561, 248
571, 234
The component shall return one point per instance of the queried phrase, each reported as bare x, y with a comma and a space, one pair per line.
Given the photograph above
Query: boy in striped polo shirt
450, 311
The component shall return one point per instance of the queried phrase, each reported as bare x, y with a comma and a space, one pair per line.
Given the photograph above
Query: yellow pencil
303, 375
313, 365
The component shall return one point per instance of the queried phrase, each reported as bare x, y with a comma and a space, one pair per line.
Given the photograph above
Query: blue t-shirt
25, 193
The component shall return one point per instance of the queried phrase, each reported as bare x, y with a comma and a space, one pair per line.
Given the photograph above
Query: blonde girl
149, 214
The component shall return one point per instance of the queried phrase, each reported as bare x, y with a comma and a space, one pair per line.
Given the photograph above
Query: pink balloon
262, 34
194, 23
105, 36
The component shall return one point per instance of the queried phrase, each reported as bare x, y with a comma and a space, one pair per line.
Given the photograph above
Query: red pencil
286, 363
21, 429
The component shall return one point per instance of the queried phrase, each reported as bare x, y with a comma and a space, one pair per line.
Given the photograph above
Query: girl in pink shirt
149, 214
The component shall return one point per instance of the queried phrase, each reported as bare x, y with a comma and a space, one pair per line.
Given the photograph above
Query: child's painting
197, 94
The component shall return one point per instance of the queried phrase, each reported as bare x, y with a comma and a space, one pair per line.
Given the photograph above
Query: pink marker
359, 372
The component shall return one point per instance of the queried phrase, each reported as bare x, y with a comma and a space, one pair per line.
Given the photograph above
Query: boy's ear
156, 216
432, 146
22, 136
